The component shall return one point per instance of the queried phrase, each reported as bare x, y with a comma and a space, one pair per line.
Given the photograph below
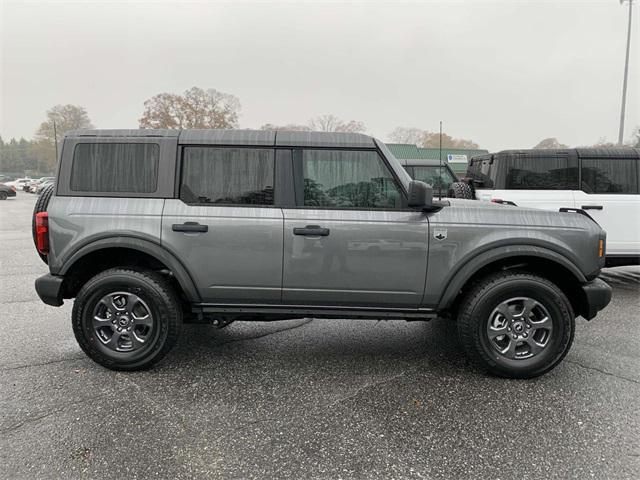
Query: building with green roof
457, 158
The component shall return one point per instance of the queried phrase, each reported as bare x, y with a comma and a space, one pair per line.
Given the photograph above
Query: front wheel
127, 319
515, 324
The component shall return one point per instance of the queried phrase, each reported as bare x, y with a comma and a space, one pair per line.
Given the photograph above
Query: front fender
456, 280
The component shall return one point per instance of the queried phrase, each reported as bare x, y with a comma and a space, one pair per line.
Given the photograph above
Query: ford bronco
148, 229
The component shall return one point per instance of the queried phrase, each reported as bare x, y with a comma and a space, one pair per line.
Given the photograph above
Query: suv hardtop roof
242, 137
595, 152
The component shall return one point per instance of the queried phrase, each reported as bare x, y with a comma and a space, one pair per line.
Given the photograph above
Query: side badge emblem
440, 233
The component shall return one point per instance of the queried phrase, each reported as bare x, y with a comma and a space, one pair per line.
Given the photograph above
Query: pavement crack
362, 388
604, 372
44, 415
29, 365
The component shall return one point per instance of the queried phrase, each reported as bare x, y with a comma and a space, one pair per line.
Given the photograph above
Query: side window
540, 173
611, 175
438, 178
347, 179
231, 176
115, 167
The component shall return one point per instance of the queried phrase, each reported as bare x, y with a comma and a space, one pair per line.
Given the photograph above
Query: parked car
602, 182
19, 183
43, 185
33, 186
433, 172
219, 226
7, 191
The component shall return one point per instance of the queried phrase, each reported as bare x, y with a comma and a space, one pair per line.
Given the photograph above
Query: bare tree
550, 143
65, 118
406, 135
196, 108
331, 123
432, 140
292, 127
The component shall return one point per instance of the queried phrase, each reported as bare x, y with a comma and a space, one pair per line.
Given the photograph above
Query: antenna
440, 170
55, 139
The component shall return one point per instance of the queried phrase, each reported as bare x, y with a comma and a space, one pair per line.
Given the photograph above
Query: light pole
626, 73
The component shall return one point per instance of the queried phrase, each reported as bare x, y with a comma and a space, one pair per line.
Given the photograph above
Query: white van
602, 182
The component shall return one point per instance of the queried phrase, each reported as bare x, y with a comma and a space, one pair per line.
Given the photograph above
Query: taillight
42, 232
601, 248
13, 188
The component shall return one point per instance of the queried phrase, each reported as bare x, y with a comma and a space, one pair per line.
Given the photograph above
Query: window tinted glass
609, 175
434, 176
348, 179
115, 167
539, 173
242, 176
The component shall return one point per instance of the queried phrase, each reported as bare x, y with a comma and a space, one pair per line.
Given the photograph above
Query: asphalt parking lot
308, 398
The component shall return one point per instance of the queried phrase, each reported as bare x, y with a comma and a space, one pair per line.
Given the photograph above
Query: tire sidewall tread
472, 320
158, 294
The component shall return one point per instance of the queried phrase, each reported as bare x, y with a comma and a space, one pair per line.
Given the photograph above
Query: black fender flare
145, 246
463, 274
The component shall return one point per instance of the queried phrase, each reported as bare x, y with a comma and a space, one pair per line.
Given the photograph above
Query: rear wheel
514, 324
3, 195
127, 319
42, 203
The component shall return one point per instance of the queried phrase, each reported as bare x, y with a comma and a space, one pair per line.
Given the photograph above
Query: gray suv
148, 229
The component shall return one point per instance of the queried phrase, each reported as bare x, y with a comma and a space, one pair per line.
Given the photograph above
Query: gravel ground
308, 398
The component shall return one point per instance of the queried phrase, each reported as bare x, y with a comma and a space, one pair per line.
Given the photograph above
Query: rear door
350, 241
537, 179
609, 193
224, 225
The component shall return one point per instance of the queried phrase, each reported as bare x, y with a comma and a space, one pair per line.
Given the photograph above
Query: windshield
436, 176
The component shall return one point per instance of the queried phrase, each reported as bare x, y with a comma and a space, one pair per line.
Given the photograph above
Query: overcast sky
502, 73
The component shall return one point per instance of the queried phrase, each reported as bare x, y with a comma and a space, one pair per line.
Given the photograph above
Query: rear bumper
597, 295
49, 289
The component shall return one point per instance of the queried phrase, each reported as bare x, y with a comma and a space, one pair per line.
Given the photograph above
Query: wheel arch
538, 260
124, 251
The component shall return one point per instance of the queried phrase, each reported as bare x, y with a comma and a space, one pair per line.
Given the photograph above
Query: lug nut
528, 326
508, 329
524, 335
515, 336
113, 321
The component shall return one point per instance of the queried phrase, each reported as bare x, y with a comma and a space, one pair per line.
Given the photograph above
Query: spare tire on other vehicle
460, 190
41, 206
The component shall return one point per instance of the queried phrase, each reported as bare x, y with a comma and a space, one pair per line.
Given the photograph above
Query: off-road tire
157, 293
3, 195
41, 206
460, 190
474, 314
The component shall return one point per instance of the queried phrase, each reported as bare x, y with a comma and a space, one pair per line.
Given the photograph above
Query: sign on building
454, 158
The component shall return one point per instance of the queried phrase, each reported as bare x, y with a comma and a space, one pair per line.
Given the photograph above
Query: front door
351, 241
224, 227
609, 193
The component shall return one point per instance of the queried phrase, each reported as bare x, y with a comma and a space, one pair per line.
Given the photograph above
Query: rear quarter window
115, 167
534, 172
609, 175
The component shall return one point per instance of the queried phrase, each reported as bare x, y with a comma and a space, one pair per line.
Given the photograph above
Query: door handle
591, 207
312, 231
189, 227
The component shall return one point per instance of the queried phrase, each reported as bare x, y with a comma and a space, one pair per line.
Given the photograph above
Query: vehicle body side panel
239, 258
76, 221
569, 236
369, 258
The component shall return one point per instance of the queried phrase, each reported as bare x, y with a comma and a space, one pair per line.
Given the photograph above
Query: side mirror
420, 194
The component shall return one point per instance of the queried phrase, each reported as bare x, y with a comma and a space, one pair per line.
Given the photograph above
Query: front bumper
597, 295
49, 289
